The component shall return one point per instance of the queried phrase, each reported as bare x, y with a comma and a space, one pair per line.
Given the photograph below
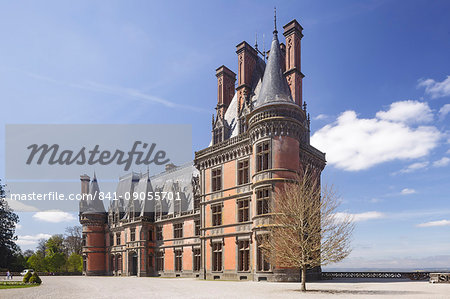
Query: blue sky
376, 85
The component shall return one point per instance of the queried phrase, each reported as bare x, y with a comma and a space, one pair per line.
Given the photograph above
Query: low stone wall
440, 277
381, 275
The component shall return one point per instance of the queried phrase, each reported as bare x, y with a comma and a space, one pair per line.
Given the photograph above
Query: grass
16, 285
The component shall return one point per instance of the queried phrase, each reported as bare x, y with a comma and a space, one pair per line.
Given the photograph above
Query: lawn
16, 285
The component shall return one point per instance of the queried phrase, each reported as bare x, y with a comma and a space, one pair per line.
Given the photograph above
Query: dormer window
218, 135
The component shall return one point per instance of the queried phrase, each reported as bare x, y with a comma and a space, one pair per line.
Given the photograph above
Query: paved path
146, 287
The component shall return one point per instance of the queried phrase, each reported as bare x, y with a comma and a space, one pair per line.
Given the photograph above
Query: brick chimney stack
225, 89
247, 57
293, 34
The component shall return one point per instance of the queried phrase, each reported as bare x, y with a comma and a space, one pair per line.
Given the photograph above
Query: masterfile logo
63, 152
44, 162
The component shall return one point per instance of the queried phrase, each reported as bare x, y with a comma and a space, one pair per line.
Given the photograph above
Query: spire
93, 203
275, 88
275, 20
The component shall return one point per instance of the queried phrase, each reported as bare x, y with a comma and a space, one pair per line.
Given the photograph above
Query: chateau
260, 140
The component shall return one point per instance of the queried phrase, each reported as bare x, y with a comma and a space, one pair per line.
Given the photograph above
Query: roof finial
275, 20
256, 41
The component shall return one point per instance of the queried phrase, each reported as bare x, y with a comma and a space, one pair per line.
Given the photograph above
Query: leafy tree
27, 253
305, 231
75, 263
7, 229
55, 257
37, 261
42, 246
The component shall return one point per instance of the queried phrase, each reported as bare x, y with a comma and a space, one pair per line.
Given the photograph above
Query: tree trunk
303, 289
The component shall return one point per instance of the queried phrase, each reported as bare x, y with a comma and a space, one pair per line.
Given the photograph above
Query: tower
225, 89
93, 221
293, 34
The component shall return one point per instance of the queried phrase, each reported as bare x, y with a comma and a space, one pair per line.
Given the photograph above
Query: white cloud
321, 116
54, 216
436, 89
18, 226
31, 239
407, 191
444, 111
353, 143
358, 217
19, 206
407, 112
435, 223
414, 167
442, 162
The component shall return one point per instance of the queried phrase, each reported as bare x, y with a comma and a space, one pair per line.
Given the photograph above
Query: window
132, 234
111, 239
119, 263
158, 209
217, 135
262, 156
262, 201
118, 239
84, 241
178, 260
216, 215
242, 125
243, 209
159, 233
150, 235
243, 172
261, 261
197, 227
160, 261
178, 230
197, 259
216, 175
244, 256
197, 203
217, 256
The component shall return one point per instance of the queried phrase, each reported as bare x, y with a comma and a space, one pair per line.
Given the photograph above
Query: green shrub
26, 277
35, 279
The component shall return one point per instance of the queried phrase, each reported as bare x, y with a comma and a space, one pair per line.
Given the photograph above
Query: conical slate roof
275, 88
94, 204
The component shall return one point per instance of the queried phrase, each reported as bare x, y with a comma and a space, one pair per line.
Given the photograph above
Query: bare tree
73, 239
305, 231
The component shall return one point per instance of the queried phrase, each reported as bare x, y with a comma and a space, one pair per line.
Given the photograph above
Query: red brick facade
260, 140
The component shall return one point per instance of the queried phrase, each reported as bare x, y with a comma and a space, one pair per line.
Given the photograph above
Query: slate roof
275, 88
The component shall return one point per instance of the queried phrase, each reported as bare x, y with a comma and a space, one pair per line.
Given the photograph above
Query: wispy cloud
442, 162
408, 191
435, 223
444, 111
321, 116
54, 216
413, 167
19, 206
358, 217
124, 92
436, 89
27, 240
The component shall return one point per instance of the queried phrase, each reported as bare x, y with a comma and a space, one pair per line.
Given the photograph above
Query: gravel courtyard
146, 287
